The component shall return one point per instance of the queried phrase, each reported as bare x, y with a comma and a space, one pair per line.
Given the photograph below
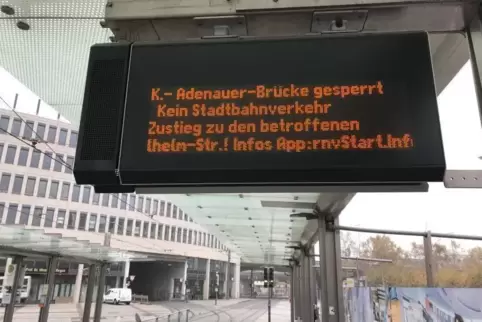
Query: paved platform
280, 312
235, 310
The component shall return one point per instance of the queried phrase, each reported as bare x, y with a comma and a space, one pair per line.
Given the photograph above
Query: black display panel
351, 109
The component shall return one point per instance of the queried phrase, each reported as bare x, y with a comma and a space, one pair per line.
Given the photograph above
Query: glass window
155, 207
73, 139
64, 195
54, 190
140, 204
184, 235
189, 237
49, 217
145, 229
120, 226
129, 227
11, 214
132, 202
190, 219
5, 182
52, 134
195, 238
82, 221
40, 131
23, 157
102, 223
123, 202
186, 218
35, 160
37, 216
4, 120
72, 218
76, 193
148, 206
163, 205
95, 199
204, 239
105, 200
179, 235
60, 218
112, 220
27, 130
63, 136
173, 234
159, 231
174, 212
167, 229
114, 201
153, 231
92, 222
17, 185
69, 165
47, 161
1, 151
86, 195
16, 125
58, 163
137, 229
24, 214
2, 208
42, 188
168, 210
11, 151
30, 186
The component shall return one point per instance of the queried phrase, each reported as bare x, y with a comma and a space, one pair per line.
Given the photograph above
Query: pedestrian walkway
280, 312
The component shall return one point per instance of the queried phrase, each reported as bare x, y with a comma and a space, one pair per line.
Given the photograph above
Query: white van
118, 295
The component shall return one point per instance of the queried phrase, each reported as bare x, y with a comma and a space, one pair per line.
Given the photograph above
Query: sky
440, 210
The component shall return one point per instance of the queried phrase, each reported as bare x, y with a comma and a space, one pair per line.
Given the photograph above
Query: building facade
38, 191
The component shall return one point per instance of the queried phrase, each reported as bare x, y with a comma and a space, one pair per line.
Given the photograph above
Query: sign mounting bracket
214, 27
347, 21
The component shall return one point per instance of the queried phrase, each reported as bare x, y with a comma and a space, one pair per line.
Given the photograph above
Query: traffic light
271, 277
266, 277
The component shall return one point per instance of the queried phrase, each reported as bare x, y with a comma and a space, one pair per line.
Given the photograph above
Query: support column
308, 288
225, 284
292, 292
330, 270
206, 280
297, 291
184, 280
304, 300
252, 284
427, 245
229, 285
10, 308
44, 312
237, 280
127, 267
89, 292
78, 283
100, 293
117, 281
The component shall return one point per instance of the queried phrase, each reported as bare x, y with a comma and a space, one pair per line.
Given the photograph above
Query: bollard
179, 315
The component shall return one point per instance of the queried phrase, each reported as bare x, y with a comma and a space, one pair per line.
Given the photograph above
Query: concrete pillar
9, 262
237, 281
78, 283
206, 280
100, 293
171, 288
89, 293
184, 280
226, 277
44, 312
10, 307
117, 281
127, 267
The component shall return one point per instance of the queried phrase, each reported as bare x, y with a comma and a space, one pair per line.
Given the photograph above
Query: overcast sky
440, 210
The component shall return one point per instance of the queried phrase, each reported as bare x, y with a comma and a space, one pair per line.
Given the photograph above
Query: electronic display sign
351, 109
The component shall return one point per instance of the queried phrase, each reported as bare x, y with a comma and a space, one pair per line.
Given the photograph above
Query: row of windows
38, 216
146, 205
19, 184
25, 130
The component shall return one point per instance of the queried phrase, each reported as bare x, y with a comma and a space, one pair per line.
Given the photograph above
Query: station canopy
17, 240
